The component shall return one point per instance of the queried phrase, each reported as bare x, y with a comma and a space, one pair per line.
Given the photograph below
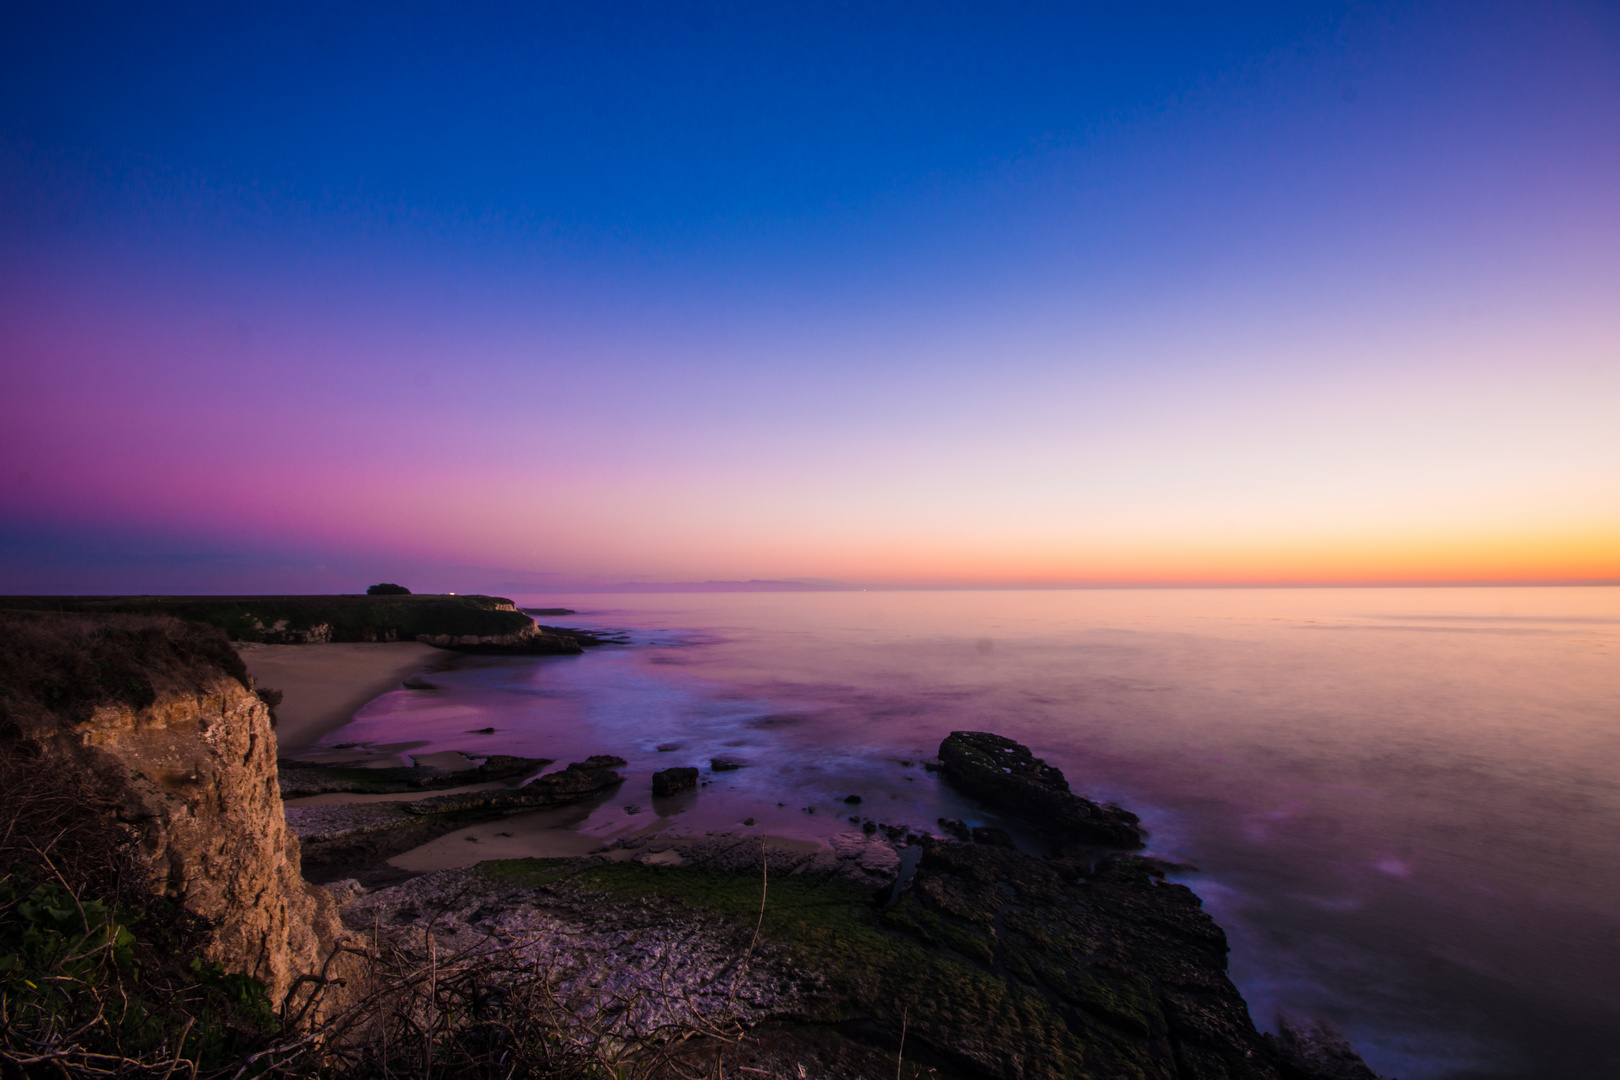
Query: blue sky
892, 293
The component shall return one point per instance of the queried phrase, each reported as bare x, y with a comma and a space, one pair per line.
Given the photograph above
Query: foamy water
1404, 804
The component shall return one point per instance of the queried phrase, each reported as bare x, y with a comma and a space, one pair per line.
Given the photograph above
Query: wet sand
325, 685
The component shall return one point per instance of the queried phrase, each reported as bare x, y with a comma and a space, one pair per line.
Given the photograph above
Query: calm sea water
1403, 804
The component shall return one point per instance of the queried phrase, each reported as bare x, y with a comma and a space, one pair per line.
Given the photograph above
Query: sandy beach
325, 685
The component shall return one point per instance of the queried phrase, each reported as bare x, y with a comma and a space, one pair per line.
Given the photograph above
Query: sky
527, 298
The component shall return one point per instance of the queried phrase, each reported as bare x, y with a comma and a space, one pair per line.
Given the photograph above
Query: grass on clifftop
69, 664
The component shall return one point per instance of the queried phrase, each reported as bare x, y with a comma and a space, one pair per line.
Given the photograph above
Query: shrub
388, 589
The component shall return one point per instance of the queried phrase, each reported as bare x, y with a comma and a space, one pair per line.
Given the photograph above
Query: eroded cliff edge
154, 725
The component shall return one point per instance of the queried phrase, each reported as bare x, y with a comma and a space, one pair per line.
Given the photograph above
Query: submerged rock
674, 781
1007, 777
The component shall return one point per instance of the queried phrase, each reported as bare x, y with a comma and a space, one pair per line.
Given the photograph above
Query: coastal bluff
473, 623
151, 726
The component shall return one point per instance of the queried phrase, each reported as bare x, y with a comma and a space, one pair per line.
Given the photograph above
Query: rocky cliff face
199, 770
183, 753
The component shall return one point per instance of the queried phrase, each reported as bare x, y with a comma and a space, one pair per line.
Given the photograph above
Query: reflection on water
1404, 803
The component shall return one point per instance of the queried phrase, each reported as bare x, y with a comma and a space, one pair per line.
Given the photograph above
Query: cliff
154, 726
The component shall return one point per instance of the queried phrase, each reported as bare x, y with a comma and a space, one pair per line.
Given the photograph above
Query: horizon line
801, 587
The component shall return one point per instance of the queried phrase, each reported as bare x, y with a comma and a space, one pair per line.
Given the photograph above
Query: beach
323, 686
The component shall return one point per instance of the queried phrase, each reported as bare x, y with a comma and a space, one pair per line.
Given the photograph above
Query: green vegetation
68, 664
78, 984
297, 619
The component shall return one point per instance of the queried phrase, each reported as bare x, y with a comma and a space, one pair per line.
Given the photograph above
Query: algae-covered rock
1006, 776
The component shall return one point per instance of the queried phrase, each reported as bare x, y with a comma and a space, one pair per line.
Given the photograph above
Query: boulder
674, 781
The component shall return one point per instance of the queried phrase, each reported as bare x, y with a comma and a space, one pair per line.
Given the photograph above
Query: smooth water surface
1403, 804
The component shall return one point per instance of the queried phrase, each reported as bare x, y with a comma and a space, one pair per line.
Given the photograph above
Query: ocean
1403, 805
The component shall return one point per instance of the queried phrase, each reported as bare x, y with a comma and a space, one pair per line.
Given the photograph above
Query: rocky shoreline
1077, 961
967, 954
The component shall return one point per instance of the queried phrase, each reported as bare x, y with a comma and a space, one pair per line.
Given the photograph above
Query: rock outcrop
526, 641
299, 779
1007, 777
580, 780
1130, 970
160, 716
366, 833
